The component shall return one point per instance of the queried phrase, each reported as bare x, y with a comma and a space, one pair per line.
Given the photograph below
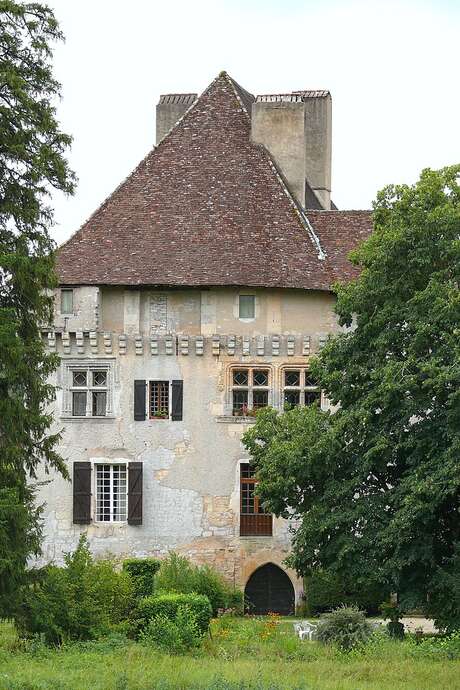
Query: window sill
230, 419
71, 418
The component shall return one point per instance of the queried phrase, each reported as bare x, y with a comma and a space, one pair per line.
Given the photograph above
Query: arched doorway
269, 589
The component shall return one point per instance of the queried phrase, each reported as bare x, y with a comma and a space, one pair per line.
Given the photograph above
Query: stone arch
269, 589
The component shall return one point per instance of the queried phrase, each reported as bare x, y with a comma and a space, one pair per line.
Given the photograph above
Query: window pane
79, 403
99, 403
103, 502
310, 380
119, 493
240, 377
99, 378
260, 377
240, 401
259, 399
311, 397
292, 378
247, 497
291, 398
247, 471
159, 399
79, 378
66, 301
247, 306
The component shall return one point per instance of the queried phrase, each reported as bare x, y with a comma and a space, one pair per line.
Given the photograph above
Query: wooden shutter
82, 493
177, 400
135, 493
139, 400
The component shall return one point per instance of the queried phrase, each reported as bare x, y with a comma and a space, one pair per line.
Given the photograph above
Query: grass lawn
242, 653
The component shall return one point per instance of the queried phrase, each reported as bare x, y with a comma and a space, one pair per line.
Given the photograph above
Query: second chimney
296, 129
170, 109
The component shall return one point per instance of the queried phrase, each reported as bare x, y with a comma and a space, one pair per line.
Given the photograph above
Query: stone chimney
170, 109
296, 129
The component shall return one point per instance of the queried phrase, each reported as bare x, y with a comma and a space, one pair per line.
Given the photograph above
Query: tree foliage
376, 485
32, 163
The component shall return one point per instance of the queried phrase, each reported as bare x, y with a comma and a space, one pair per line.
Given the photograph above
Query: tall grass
241, 655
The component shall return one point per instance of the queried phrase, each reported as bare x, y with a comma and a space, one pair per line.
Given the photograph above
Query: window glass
159, 399
300, 388
247, 308
240, 377
111, 488
66, 301
99, 403
260, 377
79, 403
79, 378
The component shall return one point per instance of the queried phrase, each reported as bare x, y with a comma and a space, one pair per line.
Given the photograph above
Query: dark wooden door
269, 589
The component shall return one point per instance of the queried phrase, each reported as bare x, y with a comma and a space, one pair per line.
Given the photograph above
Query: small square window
260, 377
247, 307
79, 404
66, 301
99, 378
240, 377
79, 378
292, 378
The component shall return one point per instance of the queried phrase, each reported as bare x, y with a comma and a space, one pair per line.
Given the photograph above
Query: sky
392, 69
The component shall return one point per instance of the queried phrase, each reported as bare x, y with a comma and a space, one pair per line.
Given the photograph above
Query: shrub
167, 604
81, 601
325, 591
177, 574
346, 626
176, 635
142, 572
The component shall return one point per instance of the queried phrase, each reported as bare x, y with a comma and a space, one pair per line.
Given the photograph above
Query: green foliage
346, 627
81, 601
32, 162
376, 485
174, 635
326, 591
177, 574
167, 604
142, 572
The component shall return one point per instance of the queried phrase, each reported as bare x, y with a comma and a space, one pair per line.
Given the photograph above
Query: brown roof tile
207, 207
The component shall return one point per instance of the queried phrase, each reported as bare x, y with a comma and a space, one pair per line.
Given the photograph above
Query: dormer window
66, 301
247, 307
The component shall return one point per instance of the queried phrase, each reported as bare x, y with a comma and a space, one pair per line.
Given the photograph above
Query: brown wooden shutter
139, 400
135, 493
177, 400
82, 493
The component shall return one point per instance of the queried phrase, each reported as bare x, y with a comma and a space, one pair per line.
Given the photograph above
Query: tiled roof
207, 207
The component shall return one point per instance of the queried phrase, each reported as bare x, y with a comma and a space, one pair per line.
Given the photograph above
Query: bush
177, 574
176, 635
346, 626
142, 572
325, 591
81, 601
167, 604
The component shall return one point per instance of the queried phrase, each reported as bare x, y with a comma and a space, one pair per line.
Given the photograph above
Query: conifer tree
32, 163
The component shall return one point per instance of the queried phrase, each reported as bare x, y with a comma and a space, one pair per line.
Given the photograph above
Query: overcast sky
392, 69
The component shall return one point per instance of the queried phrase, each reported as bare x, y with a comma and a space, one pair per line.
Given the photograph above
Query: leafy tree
376, 485
32, 163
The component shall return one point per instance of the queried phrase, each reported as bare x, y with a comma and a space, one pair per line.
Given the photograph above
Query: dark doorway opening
269, 590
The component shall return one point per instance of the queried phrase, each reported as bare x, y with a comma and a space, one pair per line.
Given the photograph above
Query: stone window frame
72, 311
89, 366
250, 387
302, 388
246, 293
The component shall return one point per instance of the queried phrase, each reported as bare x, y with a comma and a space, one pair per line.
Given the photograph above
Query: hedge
167, 604
142, 572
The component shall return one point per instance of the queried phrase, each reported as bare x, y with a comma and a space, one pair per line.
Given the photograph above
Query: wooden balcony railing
256, 525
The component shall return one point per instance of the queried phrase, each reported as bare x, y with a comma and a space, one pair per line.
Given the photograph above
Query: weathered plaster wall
191, 467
